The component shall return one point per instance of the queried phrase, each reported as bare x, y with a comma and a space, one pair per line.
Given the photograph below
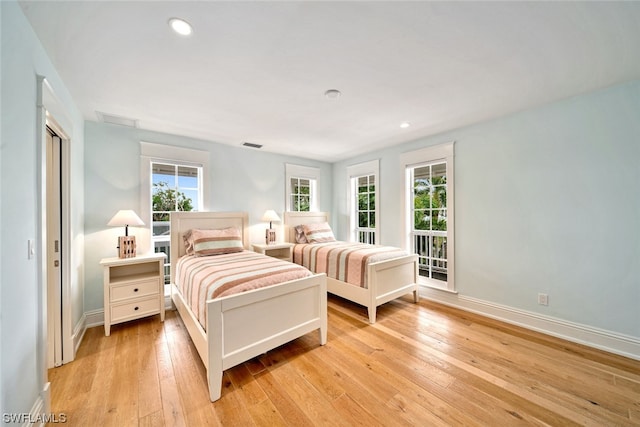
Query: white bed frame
386, 280
245, 325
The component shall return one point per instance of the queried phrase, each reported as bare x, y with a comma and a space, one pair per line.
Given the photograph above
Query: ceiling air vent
251, 145
116, 120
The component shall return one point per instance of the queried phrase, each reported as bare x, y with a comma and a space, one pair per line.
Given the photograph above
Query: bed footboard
246, 325
388, 280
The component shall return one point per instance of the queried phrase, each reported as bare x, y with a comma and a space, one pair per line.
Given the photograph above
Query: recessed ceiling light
180, 26
332, 93
405, 125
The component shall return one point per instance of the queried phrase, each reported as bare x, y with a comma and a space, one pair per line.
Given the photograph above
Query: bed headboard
181, 222
291, 219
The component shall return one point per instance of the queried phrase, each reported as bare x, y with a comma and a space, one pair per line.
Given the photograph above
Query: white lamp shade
270, 215
124, 218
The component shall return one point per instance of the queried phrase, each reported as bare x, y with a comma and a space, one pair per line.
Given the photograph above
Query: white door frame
51, 111
53, 249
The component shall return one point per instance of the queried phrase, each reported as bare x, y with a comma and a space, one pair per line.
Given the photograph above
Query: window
363, 196
300, 194
301, 188
429, 228
174, 187
365, 209
429, 207
172, 179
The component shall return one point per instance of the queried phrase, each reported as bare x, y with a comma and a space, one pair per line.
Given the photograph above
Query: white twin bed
241, 326
230, 328
383, 281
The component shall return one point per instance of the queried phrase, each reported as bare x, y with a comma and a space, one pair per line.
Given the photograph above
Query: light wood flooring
420, 364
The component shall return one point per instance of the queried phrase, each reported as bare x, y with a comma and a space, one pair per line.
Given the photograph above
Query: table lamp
270, 216
126, 243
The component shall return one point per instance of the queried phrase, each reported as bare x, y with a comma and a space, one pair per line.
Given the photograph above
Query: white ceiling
257, 71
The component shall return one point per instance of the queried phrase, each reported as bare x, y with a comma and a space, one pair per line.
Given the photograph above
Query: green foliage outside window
166, 199
301, 195
430, 204
366, 206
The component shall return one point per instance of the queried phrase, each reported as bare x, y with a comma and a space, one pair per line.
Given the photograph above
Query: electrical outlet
543, 299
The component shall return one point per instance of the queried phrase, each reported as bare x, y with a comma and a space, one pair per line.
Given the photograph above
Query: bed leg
372, 314
323, 335
215, 385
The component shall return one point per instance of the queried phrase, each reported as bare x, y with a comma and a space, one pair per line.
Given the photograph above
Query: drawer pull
136, 308
135, 290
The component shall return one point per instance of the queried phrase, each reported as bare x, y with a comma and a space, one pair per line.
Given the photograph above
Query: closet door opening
54, 248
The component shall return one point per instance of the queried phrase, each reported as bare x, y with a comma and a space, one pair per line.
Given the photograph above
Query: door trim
53, 249
51, 111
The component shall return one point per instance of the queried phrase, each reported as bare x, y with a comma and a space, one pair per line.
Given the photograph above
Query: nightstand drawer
135, 309
134, 290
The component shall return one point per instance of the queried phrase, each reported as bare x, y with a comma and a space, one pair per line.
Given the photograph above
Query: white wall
241, 179
547, 201
23, 59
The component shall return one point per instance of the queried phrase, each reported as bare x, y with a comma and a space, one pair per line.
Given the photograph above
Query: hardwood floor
420, 364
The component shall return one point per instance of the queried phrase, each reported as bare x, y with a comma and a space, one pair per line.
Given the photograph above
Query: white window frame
353, 173
304, 172
179, 164
167, 154
433, 154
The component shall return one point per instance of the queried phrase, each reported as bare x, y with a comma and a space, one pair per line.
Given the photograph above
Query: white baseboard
78, 334
94, 318
612, 342
45, 395
40, 411
35, 416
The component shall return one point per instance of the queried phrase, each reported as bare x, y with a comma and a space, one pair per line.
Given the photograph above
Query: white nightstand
133, 288
283, 251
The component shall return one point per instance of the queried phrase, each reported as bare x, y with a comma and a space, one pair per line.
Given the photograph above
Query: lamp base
270, 236
127, 246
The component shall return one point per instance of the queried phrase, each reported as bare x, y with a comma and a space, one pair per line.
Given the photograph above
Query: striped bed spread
343, 261
200, 279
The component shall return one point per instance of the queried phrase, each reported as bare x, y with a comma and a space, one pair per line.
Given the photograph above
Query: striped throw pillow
216, 242
319, 232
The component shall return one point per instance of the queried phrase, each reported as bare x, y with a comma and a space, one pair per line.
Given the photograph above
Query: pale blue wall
240, 179
547, 200
23, 58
